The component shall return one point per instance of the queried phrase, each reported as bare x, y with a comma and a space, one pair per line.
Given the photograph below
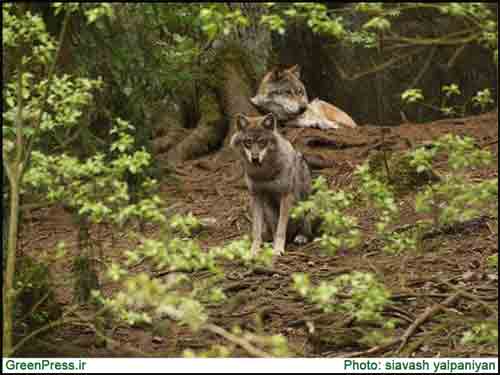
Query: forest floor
452, 260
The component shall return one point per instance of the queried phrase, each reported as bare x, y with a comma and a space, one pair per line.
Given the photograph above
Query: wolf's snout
255, 160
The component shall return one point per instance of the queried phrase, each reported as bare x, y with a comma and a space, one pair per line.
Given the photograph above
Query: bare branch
256, 352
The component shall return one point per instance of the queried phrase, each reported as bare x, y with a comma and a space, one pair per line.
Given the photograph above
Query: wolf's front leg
286, 203
257, 223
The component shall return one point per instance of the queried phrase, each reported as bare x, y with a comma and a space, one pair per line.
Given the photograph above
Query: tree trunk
8, 286
237, 61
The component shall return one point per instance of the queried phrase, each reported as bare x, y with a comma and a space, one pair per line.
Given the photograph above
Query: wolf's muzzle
255, 160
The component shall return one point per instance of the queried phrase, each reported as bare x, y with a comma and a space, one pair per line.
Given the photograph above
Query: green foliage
366, 296
450, 90
412, 96
448, 199
483, 99
66, 101
493, 261
339, 229
218, 18
357, 294
315, 15
379, 195
95, 187
378, 23
398, 171
454, 199
35, 303
27, 31
482, 333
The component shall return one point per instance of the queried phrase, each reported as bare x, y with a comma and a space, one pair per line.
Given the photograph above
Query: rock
469, 275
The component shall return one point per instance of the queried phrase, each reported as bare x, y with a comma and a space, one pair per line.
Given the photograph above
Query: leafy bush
454, 198
356, 294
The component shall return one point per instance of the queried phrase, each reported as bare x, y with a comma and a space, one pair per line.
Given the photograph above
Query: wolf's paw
300, 239
279, 252
279, 249
255, 250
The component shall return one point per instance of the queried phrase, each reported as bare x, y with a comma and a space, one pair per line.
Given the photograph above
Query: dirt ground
452, 259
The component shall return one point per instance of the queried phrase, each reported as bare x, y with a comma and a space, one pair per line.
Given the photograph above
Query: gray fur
275, 182
282, 92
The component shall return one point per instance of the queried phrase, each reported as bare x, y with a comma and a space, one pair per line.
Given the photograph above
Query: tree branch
441, 41
429, 312
375, 69
256, 352
424, 68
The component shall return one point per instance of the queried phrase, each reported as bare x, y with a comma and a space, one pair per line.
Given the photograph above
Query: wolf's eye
299, 91
247, 143
262, 143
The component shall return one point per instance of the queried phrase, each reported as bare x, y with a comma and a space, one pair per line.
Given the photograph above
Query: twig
33, 309
425, 67
239, 285
256, 352
352, 77
84, 322
428, 313
489, 143
472, 297
40, 330
424, 338
455, 55
261, 270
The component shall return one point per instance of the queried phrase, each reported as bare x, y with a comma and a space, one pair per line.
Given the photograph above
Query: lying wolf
282, 92
277, 176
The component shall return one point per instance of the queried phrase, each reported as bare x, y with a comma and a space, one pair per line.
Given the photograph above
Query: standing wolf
277, 176
282, 92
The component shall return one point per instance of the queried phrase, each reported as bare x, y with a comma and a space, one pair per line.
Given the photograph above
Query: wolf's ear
241, 122
269, 122
295, 70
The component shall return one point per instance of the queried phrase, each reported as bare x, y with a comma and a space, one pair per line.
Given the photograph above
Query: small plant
412, 96
378, 195
339, 229
493, 261
357, 294
454, 199
482, 333
483, 99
